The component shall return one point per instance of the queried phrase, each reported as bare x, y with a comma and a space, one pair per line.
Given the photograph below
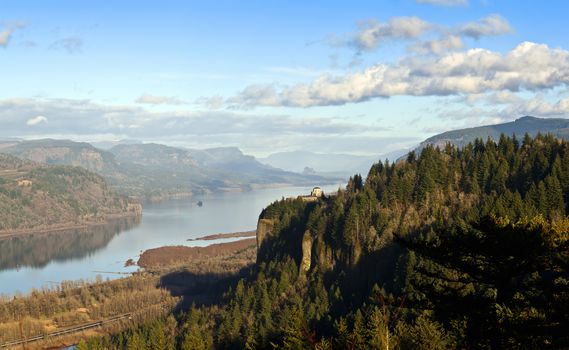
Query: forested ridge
43, 197
450, 248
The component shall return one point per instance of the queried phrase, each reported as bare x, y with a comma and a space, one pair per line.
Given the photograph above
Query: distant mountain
63, 152
154, 171
37, 196
530, 125
107, 145
326, 163
216, 169
153, 155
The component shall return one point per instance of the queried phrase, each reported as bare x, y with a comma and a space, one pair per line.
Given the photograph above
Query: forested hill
463, 272
42, 197
558, 127
452, 248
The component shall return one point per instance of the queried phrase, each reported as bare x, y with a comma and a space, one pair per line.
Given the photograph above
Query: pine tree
193, 339
358, 336
554, 195
136, 342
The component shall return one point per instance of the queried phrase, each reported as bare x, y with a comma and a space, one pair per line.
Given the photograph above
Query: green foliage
435, 252
507, 280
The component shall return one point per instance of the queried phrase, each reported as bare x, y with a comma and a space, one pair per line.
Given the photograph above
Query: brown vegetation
175, 277
75, 303
210, 255
225, 235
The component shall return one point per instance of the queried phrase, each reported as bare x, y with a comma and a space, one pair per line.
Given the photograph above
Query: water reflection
37, 250
28, 262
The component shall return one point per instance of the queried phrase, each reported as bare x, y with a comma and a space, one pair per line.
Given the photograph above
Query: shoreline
221, 190
7, 234
215, 236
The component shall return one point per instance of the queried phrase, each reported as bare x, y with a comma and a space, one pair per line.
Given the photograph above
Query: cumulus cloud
36, 120
158, 100
372, 33
492, 108
529, 66
537, 106
492, 25
438, 46
444, 2
70, 44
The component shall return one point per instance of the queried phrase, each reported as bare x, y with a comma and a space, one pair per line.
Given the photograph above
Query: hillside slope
63, 152
531, 125
43, 197
464, 244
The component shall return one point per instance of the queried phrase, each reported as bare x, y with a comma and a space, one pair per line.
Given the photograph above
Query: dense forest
450, 248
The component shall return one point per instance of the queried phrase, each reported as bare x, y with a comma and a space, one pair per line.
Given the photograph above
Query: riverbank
6, 234
174, 278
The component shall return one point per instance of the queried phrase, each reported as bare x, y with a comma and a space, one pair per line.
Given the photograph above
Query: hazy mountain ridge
155, 171
216, 169
332, 164
558, 127
152, 154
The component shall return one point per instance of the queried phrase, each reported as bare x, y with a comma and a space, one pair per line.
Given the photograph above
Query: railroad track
66, 331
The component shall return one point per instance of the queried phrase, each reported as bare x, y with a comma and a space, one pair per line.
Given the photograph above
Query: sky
358, 77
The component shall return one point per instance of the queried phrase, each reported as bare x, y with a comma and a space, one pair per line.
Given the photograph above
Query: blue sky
362, 77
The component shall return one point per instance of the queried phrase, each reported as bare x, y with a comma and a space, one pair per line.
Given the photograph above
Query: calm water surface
45, 260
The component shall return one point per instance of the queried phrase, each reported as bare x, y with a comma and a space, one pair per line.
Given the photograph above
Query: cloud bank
88, 121
528, 66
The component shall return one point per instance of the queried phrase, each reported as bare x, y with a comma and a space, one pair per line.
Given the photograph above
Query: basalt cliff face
271, 241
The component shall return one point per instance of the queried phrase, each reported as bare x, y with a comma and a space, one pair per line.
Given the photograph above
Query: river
43, 260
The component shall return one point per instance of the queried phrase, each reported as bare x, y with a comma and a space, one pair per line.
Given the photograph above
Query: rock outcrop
264, 229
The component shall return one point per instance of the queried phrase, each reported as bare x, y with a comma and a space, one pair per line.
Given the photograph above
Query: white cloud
87, 120
444, 2
538, 106
529, 66
371, 32
158, 100
492, 25
36, 120
438, 46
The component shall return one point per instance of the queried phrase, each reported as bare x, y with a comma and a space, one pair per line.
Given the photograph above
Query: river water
44, 260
